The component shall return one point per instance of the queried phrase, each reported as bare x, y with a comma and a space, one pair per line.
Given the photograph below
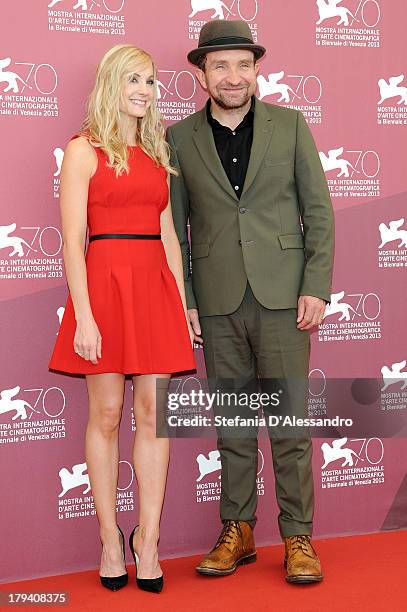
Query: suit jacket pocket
291, 241
199, 250
270, 161
278, 168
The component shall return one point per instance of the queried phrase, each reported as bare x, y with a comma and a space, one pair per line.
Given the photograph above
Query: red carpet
361, 572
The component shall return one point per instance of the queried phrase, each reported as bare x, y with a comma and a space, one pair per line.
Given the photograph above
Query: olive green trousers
251, 344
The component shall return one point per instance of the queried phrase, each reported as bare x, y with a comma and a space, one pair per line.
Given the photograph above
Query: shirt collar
246, 119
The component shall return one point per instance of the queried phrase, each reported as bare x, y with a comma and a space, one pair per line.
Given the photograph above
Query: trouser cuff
252, 521
295, 528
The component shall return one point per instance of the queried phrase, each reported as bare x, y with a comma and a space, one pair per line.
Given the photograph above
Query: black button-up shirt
233, 146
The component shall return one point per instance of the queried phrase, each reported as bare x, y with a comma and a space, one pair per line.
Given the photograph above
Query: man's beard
229, 105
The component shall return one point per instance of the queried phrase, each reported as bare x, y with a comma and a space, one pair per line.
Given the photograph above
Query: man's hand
310, 311
194, 321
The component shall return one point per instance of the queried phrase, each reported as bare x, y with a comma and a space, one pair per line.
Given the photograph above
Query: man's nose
234, 77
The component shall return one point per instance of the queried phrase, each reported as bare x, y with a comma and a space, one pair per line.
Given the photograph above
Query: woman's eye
150, 82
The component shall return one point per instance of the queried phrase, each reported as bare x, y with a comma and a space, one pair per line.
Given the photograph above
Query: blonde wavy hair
102, 122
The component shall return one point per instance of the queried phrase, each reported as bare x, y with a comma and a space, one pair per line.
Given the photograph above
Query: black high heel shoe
153, 585
114, 583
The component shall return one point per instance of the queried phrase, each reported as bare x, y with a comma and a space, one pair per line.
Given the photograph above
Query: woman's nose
142, 88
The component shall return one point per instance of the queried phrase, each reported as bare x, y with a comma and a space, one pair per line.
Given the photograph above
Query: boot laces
302, 543
230, 530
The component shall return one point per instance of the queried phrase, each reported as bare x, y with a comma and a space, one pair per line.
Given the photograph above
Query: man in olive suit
251, 185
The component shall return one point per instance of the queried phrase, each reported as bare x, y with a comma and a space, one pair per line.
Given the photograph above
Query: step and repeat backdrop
343, 64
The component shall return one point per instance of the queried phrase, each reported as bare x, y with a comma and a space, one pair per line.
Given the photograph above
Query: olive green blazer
279, 235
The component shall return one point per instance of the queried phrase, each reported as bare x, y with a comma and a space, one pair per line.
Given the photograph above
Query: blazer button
242, 210
240, 242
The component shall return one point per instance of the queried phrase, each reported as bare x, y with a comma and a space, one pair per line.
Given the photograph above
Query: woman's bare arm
79, 164
174, 258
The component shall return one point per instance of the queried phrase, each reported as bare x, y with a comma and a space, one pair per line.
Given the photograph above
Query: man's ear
256, 68
200, 75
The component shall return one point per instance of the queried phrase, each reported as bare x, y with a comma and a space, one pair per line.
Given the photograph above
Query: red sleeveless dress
133, 294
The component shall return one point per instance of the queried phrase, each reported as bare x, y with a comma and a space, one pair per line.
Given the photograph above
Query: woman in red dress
126, 309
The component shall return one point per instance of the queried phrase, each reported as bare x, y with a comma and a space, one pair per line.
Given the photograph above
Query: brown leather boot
235, 546
301, 560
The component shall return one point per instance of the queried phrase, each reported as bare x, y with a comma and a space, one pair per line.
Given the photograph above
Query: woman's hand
193, 319
191, 333
88, 340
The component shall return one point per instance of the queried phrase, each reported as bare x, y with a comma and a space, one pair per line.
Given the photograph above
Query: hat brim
194, 55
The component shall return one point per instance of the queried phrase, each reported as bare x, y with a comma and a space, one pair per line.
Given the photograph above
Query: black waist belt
126, 236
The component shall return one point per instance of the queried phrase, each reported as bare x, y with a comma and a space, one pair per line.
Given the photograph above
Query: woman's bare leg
150, 457
106, 392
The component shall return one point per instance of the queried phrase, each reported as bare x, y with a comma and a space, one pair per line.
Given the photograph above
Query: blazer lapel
262, 131
205, 144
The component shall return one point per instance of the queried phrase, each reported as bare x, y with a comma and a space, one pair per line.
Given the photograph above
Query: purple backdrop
343, 68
